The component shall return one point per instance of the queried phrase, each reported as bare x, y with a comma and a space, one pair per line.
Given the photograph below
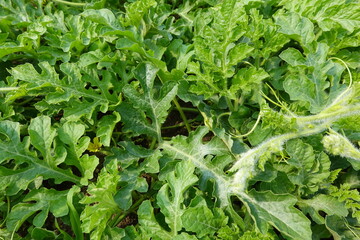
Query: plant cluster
179, 119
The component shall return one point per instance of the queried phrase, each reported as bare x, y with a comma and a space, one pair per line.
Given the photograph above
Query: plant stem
122, 215
186, 109
7, 89
26, 101
178, 125
252, 129
221, 115
178, 107
230, 105
329, 116
70, 3
153, 143
318, 34
105, 152
7, 212
257, 61
236, 217
167, 138
308, 125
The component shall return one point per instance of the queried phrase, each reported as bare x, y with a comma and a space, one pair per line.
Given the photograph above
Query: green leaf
135, 11
103, 16
249, 80
351, 198
293, 57
6, 234
131, 178
42, 234
12, 148
345, 14
254, 235
230, 15
19, 12
313, 79
350, 58
92, 57
203, 221
311, 169
100, 204
278, 210
192, 149
280, 185
204, 81
325, 203
299, 28
74, 215
146, 103
71, 137
341, 229
264, 34
128, 153
40, 201
185, 236
106, 127
171, 195
239, 53
8, 48
229, 232
42, 135
149, 226
70, 89
217, 31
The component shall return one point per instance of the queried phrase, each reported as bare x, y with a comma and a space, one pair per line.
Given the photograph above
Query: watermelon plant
168, 119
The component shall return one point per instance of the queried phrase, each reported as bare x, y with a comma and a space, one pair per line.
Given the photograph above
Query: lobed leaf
279, 211
146, 103
40, 201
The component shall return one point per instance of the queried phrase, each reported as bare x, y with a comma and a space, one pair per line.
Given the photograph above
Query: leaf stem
15, 229
122, 215
153, 143
318, 34
279, 104
70, 3
257, 61
221, 115
350, 228
178, 125
7, 212
182, 114
186, 109
230, 105
251, 130
236, 216
8, 89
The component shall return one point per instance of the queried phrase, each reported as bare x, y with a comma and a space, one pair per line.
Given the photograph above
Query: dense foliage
170, 119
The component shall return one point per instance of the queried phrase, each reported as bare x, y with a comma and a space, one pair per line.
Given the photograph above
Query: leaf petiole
251, 130
182, 114
70, 3
122, 215
8, 89
178, 125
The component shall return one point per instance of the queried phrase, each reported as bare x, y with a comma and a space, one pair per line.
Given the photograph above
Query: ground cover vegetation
170, 119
